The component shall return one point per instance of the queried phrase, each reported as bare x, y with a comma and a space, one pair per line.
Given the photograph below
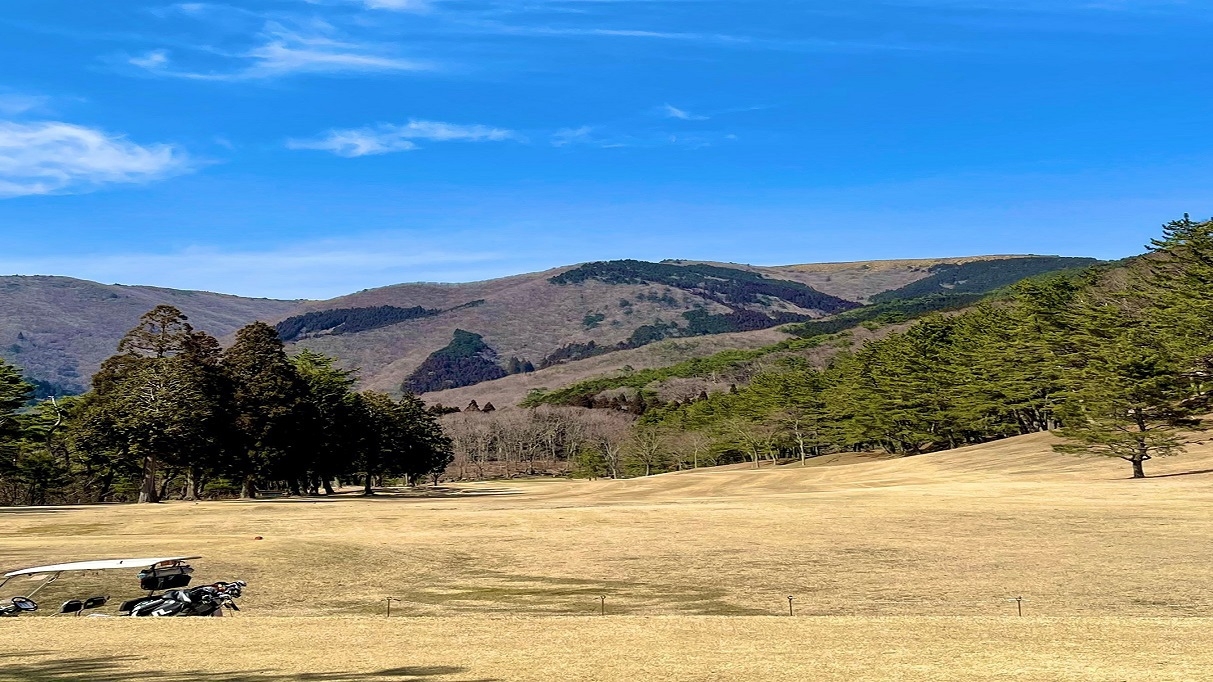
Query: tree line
567, 441
173, 414
1116, 360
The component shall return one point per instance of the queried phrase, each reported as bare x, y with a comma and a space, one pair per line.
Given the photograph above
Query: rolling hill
556, 326
59, 329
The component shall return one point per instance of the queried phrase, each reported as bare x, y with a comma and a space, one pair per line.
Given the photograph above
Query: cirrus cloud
386, 138
283, 51
49, 157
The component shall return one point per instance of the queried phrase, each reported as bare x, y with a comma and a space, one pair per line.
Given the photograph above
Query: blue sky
308, 148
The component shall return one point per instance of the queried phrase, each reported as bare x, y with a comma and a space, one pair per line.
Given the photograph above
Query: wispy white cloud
569, 136
50, 157
191, 7
386, 137
596, 136
605, 138
398, 5
12, 104
671, 111
388, 5
705, 39
152, 60
284, 51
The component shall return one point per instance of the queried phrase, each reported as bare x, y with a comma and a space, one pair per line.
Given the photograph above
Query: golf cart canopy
101, 565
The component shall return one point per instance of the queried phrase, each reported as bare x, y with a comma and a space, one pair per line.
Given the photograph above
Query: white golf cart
167, 575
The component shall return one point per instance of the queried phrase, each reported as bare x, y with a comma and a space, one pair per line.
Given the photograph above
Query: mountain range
506, 336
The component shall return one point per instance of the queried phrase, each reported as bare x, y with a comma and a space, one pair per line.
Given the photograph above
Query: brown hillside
524, 316
860, 280
529, 317
59, 329
512, 389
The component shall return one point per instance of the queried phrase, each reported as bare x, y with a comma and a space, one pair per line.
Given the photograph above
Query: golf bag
207, 600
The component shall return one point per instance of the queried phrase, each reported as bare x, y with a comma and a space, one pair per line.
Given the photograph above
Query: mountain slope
59, 329
556, 315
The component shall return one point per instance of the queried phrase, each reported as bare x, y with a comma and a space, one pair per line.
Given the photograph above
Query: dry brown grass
860, 280
611, 649
900, 569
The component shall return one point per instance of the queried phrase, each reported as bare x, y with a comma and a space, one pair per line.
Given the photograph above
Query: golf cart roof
100, 565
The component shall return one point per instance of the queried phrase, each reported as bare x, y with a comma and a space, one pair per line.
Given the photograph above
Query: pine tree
267, 402
430, 449
332, 434
157, 402
162, 332
1128, 396
1178, 283
15, 392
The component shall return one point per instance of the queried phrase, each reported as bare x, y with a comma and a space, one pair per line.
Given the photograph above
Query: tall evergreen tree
429, 450
1178, 286
155, 402
15, 392
162, 332
1128, 396
400, 438
333, 433
267, 401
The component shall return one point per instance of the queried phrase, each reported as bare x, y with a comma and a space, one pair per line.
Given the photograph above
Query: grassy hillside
859, 281
512, 390
59, 329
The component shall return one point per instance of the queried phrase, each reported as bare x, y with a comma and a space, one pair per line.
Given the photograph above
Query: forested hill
58, 329
980, 277
557, 319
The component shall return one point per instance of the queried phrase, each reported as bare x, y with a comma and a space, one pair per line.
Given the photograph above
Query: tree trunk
1138, 471
328, 487
191, 484
248, 490
148, 493
103, 488
367, 488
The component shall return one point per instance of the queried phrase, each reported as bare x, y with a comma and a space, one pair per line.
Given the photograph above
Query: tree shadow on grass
1183, 473
18, 667
383, 495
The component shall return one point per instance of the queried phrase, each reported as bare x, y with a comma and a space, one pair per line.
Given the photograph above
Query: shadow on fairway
382, 494
15, 667
1183, 473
